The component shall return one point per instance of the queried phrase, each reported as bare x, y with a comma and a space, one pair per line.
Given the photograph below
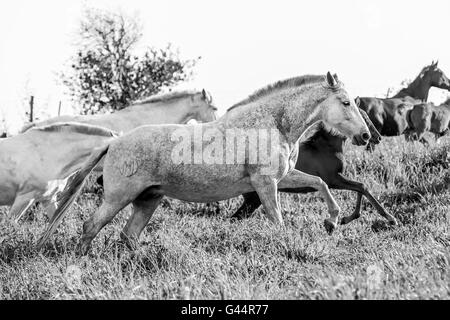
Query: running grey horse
200, 163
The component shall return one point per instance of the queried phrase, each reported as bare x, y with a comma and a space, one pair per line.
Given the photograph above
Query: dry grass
190, 251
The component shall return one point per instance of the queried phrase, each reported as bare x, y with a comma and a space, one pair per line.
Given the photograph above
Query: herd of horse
408, 111
310, 117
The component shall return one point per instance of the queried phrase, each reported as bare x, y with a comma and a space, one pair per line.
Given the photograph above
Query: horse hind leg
251, 203
101, 218
143, 209
21, 205
267, 190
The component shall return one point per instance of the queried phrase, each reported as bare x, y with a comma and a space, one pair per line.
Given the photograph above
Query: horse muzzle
375, 139
361, 139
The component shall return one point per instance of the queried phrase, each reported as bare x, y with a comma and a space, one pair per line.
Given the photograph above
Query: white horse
144, 165
175, 107
36, 165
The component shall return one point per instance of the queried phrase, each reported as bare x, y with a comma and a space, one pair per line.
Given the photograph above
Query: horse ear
436, 64
204, 94
358, 101
335, 76
331, 80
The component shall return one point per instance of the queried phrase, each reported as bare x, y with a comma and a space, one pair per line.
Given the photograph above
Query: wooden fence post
31, 108
59, 108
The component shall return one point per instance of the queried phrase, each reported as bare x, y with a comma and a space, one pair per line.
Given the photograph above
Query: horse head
436, 76
341, 115
204, 109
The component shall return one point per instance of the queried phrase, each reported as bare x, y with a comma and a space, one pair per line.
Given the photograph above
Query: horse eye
346, 103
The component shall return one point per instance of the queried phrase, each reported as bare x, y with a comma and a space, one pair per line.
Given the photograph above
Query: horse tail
72, 190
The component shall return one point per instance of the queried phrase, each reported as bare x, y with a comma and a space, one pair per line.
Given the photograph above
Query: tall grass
190, 251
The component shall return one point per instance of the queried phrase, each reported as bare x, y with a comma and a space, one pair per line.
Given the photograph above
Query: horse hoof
330, 226
345, 220
393, 222
128, 242
83, 248
237, 218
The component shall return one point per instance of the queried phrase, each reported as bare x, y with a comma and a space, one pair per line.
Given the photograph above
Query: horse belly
206, 193
9, 181
7, 194
206, 183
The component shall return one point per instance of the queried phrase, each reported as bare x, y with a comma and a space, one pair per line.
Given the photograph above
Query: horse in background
176, 107
36, 165
390, 115
418, 90
426, 117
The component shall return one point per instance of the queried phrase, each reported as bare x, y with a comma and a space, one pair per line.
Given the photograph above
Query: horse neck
287, 111
175, 111
418, 89
295, 121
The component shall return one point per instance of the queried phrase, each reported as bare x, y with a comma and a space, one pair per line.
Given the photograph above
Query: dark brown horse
426, 117
390, 115
322, 155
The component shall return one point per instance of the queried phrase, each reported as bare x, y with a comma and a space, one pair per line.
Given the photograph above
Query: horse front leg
298, 179
267, 190
356, 214
346, 184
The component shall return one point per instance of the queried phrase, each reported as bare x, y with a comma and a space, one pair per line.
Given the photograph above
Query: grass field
189, 251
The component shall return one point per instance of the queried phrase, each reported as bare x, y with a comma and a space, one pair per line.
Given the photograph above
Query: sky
371, 44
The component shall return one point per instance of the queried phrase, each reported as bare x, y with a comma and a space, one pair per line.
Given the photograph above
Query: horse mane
288, 83
424, 70
76, 127
420, 76
165, 97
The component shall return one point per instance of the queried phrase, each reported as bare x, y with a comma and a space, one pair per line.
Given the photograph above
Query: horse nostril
365, 136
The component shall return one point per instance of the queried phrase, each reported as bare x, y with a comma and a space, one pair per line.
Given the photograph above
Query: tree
105, 75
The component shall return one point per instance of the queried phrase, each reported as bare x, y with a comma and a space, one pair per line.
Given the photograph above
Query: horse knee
321, 185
